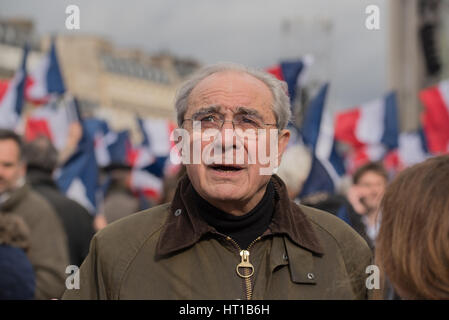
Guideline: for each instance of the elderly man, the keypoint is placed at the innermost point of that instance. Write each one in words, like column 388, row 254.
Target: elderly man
column 231, row 231
column 48, row 251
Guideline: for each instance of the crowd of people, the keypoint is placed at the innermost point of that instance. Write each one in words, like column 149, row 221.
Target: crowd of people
column 404, row 221
column 42, row 231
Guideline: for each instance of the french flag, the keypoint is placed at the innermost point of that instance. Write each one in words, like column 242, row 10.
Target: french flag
column 318, row 135
column 78, row 177
column 413, row 147
column 120, row 148
column 107, row 142
column 12, row 96
column 46, row 80
column 290, row 72
column 156, row 144
column 354, row 158
column 435, row 118
column 150, row 160
column 53, row 121
column 371, row 129
column 156, row 135
column 143, row 182
column 412, row 150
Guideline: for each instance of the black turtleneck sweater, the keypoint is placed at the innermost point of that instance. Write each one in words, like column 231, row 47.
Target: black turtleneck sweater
column 242, row 229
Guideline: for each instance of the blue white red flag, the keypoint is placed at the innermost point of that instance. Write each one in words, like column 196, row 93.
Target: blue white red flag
column 12, row 96
column 78, row 177
column 412, row 150
column 150, row 160
column 317, row 134
column 53, row 121
column 371, row 129
column 290, row 72
column 435, row 118
column 46, row 80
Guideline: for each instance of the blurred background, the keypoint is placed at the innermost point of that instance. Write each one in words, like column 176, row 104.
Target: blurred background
column 126, row 60
column 89, row 87
column 132, row 56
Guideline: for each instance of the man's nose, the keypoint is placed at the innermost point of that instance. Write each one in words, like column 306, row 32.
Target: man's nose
column 227, row 135
column 226, row 143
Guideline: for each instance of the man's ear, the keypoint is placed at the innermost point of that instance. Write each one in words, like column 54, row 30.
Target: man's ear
column 284, row 137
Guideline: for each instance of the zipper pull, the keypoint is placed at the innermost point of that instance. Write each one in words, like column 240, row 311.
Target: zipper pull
column 244, row 263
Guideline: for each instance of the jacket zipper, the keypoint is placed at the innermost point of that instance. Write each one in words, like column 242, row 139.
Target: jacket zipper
column 246, row 265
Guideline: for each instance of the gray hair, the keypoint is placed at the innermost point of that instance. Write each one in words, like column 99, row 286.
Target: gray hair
column 278, row 88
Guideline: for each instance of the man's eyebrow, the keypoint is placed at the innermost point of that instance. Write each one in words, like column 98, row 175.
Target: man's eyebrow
column 217, row 108
column 7, row 163
column 206, row 110
column 249, row 111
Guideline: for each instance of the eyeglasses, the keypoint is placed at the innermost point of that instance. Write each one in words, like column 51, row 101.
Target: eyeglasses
column 241, row 121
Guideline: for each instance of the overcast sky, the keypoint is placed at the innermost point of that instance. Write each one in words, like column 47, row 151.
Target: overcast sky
column 252, row 32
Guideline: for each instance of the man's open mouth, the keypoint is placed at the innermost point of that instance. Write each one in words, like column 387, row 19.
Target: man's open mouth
column 225, row 167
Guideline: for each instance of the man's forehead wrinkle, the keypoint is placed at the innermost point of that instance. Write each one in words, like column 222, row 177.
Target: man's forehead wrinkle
column 230, row 93
column 222, row 93
column 230, row 86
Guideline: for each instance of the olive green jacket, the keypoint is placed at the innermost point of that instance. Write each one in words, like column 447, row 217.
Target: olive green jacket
column 169, row 252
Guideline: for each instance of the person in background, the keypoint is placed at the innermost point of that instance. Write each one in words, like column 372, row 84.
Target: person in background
column 48, row 252
column 42, row 158
column 364, row 196
column 119, row 200
column 412, row 247
column 357, row 200
column 17, row 280
column 294, row 169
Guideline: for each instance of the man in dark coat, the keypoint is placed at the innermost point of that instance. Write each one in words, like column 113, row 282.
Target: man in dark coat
column 41, row 157
column 48, row 251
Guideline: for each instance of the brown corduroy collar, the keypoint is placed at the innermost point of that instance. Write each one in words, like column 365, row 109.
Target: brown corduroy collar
column 184, row 226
